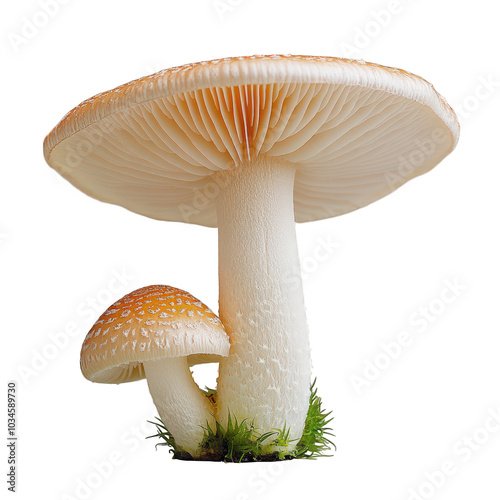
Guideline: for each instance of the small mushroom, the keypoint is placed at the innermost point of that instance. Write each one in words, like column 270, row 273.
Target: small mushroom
column 156, row 333
column 252, row 145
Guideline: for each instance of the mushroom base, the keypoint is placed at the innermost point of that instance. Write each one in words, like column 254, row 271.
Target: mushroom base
column 215, row 457
column 239, row 442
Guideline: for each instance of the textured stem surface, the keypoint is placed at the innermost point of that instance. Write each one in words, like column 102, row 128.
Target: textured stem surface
column 267, row 375
column 182, row 406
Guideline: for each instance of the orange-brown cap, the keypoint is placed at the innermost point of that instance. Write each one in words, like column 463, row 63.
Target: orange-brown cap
column 151, row 323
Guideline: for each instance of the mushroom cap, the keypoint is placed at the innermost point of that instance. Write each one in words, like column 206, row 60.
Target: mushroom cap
column 355, row 131
column 151, row 323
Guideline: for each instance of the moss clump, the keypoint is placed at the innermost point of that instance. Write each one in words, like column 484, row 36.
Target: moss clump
column 240, row 441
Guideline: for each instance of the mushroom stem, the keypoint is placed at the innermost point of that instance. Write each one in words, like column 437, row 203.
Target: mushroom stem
column 183, row 408
column 266, row 378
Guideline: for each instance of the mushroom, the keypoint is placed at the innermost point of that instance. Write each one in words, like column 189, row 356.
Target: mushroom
column 252, row 145
column 156, row 333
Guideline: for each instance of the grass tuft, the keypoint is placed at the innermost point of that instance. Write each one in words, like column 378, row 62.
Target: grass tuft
column 315, row 441
column 241, row 442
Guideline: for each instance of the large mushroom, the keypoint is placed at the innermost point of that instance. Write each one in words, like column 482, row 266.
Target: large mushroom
column 156, row 333
column 252, row 145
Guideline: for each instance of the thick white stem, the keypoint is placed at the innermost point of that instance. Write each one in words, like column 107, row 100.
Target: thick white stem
column 266, row 378
column 183, row 408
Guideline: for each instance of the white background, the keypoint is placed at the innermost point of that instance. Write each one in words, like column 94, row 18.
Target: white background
column 61, row 251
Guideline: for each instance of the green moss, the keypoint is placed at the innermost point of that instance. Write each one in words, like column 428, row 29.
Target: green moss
column 241, row 442
column 315, row 442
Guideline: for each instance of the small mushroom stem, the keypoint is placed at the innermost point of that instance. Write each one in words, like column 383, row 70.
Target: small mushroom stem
column 183, row 408
column 266, row 378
